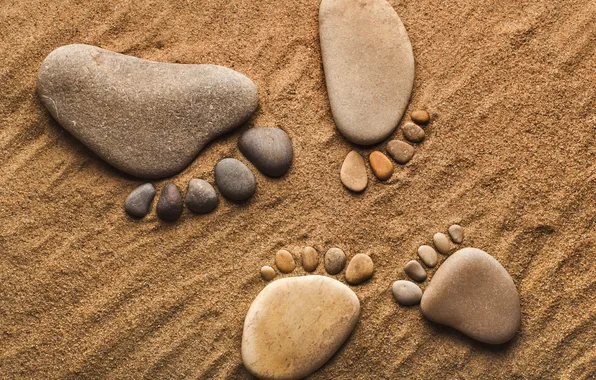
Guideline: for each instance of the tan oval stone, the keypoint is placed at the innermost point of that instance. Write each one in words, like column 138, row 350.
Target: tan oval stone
column 441, row 243
column 381, row 165
column 457, row 233
column 353, row 172
column 420, row 117
column 413, row 133
column 473, row 293
column 335, row 260
column 428, row 255
column 400, row 151
column 310, row 259
column 296, row 324
column 360, row 269
column 415, row 271
column 267, row 273
column 406, row 292
column 284, row 261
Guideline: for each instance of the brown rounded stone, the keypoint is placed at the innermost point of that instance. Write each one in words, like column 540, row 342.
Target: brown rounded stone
column 381, row 165
column 406, row 292
column 267, row 273
column 428, row 255
column 413, row 133
column 353, row 172
column 360, row 269
column 335, row 260
column 457, row 233
column 310, row 259
column 284, row 261
column 420, row 117
column 415, row 271
column 170, row 205
column 400, row 151
column 441, row 243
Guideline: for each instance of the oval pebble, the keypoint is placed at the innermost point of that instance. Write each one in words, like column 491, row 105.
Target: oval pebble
column 335, row 260
column 413, row 133
column 139, row 200
column 170, row 205
column 428, row 255
column 381, row 165
column 234, row 179
column 284, row 261
column 420, row 117
column 353, row 172
column 457, row 233
column 269, row 149
column 360, row 269
column 441, row 243
column 201, row 197
column 267, row 273
column 310, row 259
column 415, row 271
column 406, row 293
column 400, row 151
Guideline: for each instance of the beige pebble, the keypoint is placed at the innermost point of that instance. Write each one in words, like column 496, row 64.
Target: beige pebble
column 457, row 233
column 406, row 292
column 360, row 269
column 415, row 271
column 400, row 151
column 284, row 261
column 441, row 243
column 267, row 273
column 381, row 165
column 310, row 259
column 353, row 172
column 335, row 260
column 428, row 255
column 413, row 133
column 420, row 117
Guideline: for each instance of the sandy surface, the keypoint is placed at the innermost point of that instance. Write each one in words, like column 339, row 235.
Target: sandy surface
column 85, row 291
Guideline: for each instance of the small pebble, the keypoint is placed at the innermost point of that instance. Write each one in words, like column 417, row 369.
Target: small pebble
column 310, row 259
column 284, row 261
column 335, row 260
column 428, row 255
column 400, row 151
column 441, row 243
column 353, row 172
column 415, row 271
column 267, row 273
column 457, row 233
column 269, row 149
column 413, row 133
column 381, row 165
column 420, row 117
column 170, row 204
column 360, row 269
column 406, row 293
column 234, row 179
column 201, row 197
column 139, row 200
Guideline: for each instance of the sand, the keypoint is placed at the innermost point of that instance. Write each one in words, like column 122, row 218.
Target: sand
column 510, row 155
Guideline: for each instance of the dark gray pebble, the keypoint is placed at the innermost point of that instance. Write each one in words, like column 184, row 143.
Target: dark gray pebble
column 234, row 179
column 201, row 197
column 269, row 149
column 170, row 205
column 139, row 200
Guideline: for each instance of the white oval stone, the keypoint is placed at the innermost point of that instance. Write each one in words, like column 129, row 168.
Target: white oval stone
column 296, row 324
column 369, row 67
column 457, row 233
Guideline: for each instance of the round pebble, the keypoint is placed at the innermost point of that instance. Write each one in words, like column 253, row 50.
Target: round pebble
column 269, row 149
column 441, row 243
column 413, row 133
column 415, row 271
column 284, row 261
column 139, row 200
column 310, row 259
column 420, row 117
column 457, row 233
column 170, row 205
column 381, row 165
column 353, row 172
column 400, row 151
column 335, row 260
column 360, row 269
column 406, row 293
column 201, row 197
column 267, row 273
column 428, row 255
column 234, row 179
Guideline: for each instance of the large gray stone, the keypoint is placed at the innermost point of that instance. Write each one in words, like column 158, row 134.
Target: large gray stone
column 148, row 119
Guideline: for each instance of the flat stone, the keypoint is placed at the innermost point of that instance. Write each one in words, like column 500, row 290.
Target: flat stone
column 420, row 117
column 269, row 149
column 415, row 271
column 201, row 197
column 400, row 151
column 369, row 67
column 335, row 260
column 413, row 133
column 381, row 165
column 473, row 293
column 169, row 206
column 267, row 273
column 360, row 268
column 139, row 200
column 441, row 243
column 296, row 324
column 284, row 261
column 428, row 255
column 148, row 119
column 406, row 293
column 310, row 259
column 234, row 179
column 353, row 172
column 457, row 233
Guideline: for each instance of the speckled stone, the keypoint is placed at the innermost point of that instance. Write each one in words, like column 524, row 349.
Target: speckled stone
column 335, row 260
column 310, row 259
column 428, row 255
column 406, row 293
column 413, row 133
column 415, row 271
column 201, row 197
column 284, row 261
column 267, row 273
column 457, row 233
column 353, row 172
column 170, row 205
column 148, row 119
column 441, row 243
column 296, row 324
column 473, row 293
column 269, row 149
column 380, row 165
column 400, row 151
column 420, row 117
column 360, row 269
column 139, row 200
column 234, row 179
